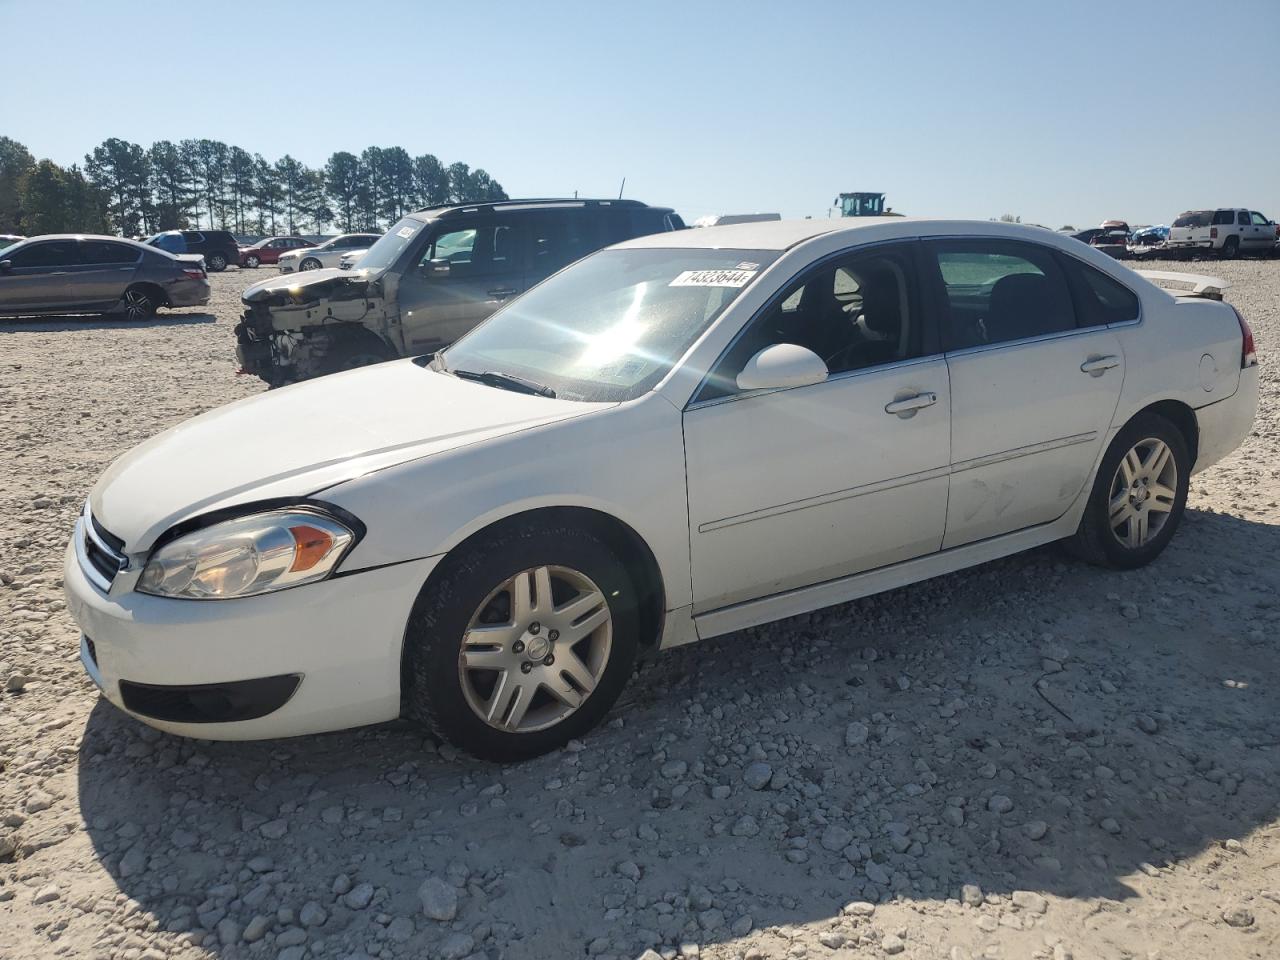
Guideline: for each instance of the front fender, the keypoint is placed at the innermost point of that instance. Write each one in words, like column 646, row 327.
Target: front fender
column 626, row 461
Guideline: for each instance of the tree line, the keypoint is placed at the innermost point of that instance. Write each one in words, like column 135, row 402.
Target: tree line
column 131, row 190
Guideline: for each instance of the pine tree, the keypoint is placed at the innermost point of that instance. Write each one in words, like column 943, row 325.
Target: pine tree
column 342, row 181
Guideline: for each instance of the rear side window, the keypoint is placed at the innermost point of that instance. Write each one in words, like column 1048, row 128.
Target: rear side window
column 1223, row 217
column 1099, row 299
column 193, row 236
column 560, row 237
column 997, row 291
column 104, row 252
column 1194, row 218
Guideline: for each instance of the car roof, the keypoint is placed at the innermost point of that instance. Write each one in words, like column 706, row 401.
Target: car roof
column 86, row 236
column 784, row 234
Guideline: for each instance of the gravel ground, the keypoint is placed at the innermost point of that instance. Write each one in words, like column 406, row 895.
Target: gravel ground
column 1031, row 759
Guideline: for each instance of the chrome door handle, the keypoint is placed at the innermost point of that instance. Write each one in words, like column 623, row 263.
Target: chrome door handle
column 909, row 405
column 1099, row 365
column 502, row 293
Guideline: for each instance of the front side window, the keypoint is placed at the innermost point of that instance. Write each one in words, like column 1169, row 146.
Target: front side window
column 1259, row 220
column 854, row 312
column 51, row 253
column 997, row 291
column 475, row 249
column 609, row 327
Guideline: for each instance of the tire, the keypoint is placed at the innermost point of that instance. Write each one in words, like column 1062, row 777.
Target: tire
column 1118, row 543
column 473, row 594
column 311, row 263
column 1230, row 248
column 139, row 303
column 216, row 262
column 348, row 352
column 252, row 261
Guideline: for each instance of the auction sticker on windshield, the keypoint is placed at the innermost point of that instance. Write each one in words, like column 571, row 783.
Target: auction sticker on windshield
column 713, row 278
column 405, row 232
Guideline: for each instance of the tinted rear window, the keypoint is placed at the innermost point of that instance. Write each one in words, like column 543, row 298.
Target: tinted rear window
column 1098, row 298
column 1224, row 216
column 1194, row 218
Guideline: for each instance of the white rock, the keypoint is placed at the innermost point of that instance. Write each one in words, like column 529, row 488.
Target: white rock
column 439, row 899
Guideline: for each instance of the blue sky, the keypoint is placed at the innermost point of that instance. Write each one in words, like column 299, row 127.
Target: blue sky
column 1059, row 112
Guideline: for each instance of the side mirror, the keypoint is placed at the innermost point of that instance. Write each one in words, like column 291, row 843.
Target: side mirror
column 6, row 266
column 782, row 365
column 438, row 268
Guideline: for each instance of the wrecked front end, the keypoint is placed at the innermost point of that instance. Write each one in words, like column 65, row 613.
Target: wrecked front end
column 293, row 330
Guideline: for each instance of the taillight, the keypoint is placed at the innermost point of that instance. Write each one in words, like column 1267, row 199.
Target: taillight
column 1248, row 352
column 195, row 273
column 1213, row 233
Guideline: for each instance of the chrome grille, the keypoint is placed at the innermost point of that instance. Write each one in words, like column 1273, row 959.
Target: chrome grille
column 101, row 553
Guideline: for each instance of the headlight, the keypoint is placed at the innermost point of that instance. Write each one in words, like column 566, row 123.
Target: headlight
column 248, row 556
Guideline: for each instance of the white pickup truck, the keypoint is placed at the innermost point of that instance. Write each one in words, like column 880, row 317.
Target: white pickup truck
column 1227, row 231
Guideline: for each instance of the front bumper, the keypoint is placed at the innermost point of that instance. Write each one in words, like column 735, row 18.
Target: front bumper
column 342, row 637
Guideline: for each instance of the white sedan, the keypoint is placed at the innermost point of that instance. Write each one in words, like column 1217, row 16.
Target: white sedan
column 678, row 437
column 328, row 253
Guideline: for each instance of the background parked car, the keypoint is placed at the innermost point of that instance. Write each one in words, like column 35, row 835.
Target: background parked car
column 9, row 239
column 427, row 281
column 218, row 247
column 270, row 250
column 63, row 273
column 1112, row 238
column 327, row 254
column 1227, row 231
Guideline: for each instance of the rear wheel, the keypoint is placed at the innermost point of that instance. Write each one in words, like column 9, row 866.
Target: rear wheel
column 216, row 262
column 1138, row 496
column 311, row 263
column 1230, row 248
column 139, row 303
column 252, row 260
column 521, row 642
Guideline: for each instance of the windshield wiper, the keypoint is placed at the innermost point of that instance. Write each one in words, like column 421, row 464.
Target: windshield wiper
column 506, row 381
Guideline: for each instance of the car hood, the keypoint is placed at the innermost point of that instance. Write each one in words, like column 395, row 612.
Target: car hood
column 295, row 286
column 301, row 439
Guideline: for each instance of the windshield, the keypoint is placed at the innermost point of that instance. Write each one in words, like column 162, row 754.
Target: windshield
column 611, row 326
column 391, row 244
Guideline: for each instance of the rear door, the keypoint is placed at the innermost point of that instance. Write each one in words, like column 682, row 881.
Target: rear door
column 107, row 268
column 37, row 278
column 1033, row 390
column 466, row 269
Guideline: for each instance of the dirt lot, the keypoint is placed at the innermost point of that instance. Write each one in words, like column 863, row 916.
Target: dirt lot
column 1032, row 759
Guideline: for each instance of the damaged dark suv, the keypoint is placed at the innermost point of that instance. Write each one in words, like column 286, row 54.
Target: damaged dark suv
column 431, row 278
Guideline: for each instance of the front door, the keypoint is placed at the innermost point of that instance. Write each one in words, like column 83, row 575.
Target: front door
column 468, row 267
column 37, row 276
column 1033, row 386
column 793, row 487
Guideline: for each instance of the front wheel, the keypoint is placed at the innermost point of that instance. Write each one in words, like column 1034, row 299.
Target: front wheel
column 522, row 642
column 311, row 263
column 252, row 260
column 1138, row 496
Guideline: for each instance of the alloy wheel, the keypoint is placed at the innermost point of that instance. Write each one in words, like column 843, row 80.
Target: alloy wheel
column 137, row 305
column 310, row 265
column 1143, row 492
column 535, row 649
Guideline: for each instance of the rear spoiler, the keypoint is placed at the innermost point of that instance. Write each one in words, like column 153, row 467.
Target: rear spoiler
column 1210, row 288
